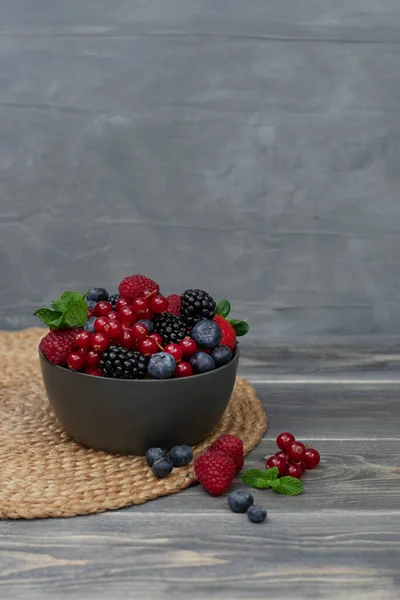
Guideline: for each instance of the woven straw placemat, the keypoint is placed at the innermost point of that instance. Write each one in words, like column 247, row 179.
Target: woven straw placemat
column 43, row 473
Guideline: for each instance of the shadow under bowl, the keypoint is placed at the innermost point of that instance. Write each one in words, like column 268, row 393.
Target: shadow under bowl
column 130, row 416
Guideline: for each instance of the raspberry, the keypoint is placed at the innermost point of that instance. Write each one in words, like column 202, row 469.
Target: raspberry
column 232, row 446
column 228, row 333
column 174, row 304
column 134, row 286
column 215, row 471
column 57, row 345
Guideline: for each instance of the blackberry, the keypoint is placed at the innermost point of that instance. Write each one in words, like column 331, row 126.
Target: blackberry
column 113, row 299
column 170, row 327
column 120, row 363
column 195, row 306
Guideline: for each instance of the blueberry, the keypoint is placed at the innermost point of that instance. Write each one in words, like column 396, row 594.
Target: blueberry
column 207, row 334
column 240, row 501
column 97, row 294
column 162, row 468
column 256, row 514
column 161, row 365
column 91, row 303
column 154, row 454
column 147, row 323
column 202, row 362
column 222, row 355
column 181, row 456
column 89, row 325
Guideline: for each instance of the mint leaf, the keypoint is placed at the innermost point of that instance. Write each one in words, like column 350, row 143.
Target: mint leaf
column 289, row 486
column 272, row 473
column 223, row 308
column 240, row 327
column 65, row 300
column 256, row 478
column 76, row 313
column 51, row 318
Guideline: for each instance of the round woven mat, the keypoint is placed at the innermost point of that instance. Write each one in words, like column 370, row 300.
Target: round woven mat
column 46, row 474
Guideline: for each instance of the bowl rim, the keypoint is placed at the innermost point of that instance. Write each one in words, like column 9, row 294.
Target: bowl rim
column 235, row 357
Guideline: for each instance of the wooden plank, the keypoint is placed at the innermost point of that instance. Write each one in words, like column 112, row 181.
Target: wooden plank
column 334, row 555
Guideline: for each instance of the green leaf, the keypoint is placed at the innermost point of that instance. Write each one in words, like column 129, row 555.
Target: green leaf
column 240, row 327
column 66, row 299
column 51, row 318
column 272, row 473
column 223, row 308
column 76, row 313
column 256, row 478
column 289, row 486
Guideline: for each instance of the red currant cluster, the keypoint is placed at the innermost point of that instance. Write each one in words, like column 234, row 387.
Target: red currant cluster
column 119, row 326
column 293, row 457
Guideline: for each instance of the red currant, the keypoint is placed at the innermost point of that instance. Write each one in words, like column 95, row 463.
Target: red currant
column 146, row 314
column 113, row 329
column 147, row 293
column 311, row 458
column 159, row 304
column 100, row 342
column 93, row 371
column 188, row 347
column 301, row 464
column 140, row 331
column 276, row 461
column 183, row 369
column 121, row 303
column 99, row 324
column 281, row 454
column 127, row 339
column 158, row 338
column 295, row 451
column 295, row 471
column 140, row 304
column 284, row 440
column 175, row 350
column 83, row 339
column 148, row 346
column 92, row 358
column 90, row 312
column 113, row 316
column 76, row 360
column 126, row 326
column 127, row 315
column 102, row 309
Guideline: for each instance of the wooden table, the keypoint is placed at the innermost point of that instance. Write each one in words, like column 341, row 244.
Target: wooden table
column 338, row 540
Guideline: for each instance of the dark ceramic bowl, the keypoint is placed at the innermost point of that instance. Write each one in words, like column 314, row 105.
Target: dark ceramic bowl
column 130, row 416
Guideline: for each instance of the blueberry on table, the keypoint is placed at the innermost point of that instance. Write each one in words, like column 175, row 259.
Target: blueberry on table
column 162, row 468
column 256, row 514
column 154, row 454
column 202, row 362
column 181, row 456
column 207, row 334
column 240, row 501
column 222, row 355
column 97, row 294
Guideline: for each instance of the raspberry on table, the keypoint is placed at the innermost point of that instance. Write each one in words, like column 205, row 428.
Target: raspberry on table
column 232, row 446
column 215, row 471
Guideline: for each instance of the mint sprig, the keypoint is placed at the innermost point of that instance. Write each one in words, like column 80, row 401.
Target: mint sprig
column 223, row 309
column 261, row 480
column 69, row 311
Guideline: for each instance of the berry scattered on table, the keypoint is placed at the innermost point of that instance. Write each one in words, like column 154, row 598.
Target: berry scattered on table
column 311, row 458
column 180, row 456
column 284, row 440
column 137, row 286
column 222, row 355
column 276, row 461
column 196, row 305
column 202, row 362
column 240, row 501
column 162, row 467
column 232, row 446
column 256, row 514
column 57, row 345
column 120, row 363
column 97, row 294
column 161, row 365
column 296, row 451
column 215, row 471
column 294, row 470
column 154, row 454
column 206, row 334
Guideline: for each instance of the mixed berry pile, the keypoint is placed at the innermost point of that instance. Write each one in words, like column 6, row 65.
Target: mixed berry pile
column 138, row 333
column 293, row 457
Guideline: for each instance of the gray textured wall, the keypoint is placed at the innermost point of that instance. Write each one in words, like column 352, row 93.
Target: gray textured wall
column 247, row 147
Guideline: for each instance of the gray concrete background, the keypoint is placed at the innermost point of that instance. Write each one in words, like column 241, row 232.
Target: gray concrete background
column 248, row 148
